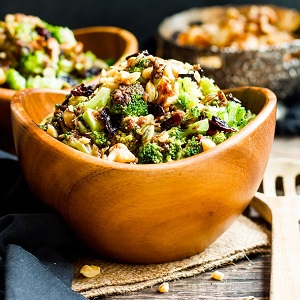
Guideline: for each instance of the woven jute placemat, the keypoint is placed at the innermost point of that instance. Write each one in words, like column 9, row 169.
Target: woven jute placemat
column 244, row 237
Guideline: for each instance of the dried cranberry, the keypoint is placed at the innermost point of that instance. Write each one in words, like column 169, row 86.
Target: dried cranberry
column 216, row 124
column 92, row 72
column 145, row 53
column 230, row 97
column 82, row 90
column 155, row 109
column 174, row 121
column 106, row 119
column 43, row 32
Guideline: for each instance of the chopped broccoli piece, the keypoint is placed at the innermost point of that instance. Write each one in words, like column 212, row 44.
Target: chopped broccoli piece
column 192, row 148
column 233, row 114
column 140, row 66
column 89, row 116
column 128, row 139
column 25, row 31
column 136, row 107
column 15, row 80
column 75, row 143
column 62, row 34
column 101, row 99
column 34, row 63
column 44, row 82
column 219, row 137
column 99, row 138
column 199, row 127
column 150, row 153
column 172, row 150
column 127, row 100
column 208, row 86
column 192, row 113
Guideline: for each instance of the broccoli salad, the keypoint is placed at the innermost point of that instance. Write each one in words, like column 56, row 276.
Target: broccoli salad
column 147, row 110
column 36, row 54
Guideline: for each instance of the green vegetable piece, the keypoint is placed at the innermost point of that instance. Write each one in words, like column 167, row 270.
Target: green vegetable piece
column 101, row 99
column 136, row 107
column 44, row 82
column 192, row 148
column 208, row 86
column 150, row 153
column 219, row 137
column 99, row 138
column 15, row 80
column 79, row 146
column 35, row 62
column 199, row 127
column 62, row 34
column 91, row 121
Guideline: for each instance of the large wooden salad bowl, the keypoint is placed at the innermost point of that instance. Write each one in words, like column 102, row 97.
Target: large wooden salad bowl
column 107, row 42
column 145, row 213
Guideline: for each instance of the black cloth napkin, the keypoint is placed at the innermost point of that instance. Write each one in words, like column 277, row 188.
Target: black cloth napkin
column 35, row 244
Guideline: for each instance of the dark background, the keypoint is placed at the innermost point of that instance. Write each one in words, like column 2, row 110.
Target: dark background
column 140, row 17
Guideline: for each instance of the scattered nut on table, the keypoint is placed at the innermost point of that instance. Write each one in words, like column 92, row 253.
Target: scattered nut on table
column 90, row 270
column 217, row 275
column 164, row 287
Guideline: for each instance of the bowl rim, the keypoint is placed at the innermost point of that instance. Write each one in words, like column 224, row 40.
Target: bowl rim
column 27, row 122
column 129, row 37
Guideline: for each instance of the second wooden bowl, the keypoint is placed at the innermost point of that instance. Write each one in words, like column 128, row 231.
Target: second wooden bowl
column 106, row 42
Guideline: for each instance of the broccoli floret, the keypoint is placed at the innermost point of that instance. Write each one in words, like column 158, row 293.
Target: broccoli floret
column 219, row 137
column 99, row 138
column 45, row 82
column 208, row 86
column 62, row 34
column 24, row 31
column 140, row 66
column 128, row 139
column 128, row 101
column 136, row 107
column 172, row 150
column 192, row 148
column 192, row 113
column 150, row 153
column 43, row 127
column 233, row 114
column 189, row 93
column 194, row 129
column 34, row 63
column 15, row 80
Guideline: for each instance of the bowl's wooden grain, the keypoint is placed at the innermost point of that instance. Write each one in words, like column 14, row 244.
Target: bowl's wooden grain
column 145, row 213
column 105, row 41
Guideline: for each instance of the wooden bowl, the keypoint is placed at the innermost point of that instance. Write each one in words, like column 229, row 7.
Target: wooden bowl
column 144, row 213
column 106, row 42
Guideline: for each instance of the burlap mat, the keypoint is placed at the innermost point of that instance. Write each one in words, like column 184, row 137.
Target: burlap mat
column 244, row 237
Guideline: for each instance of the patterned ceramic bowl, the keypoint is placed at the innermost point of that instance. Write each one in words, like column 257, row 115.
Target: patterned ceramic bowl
column 275, row 66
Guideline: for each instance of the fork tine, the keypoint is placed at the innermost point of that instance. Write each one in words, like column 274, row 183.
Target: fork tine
column 269, row 186
column 289, row 185
column 288, row 170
